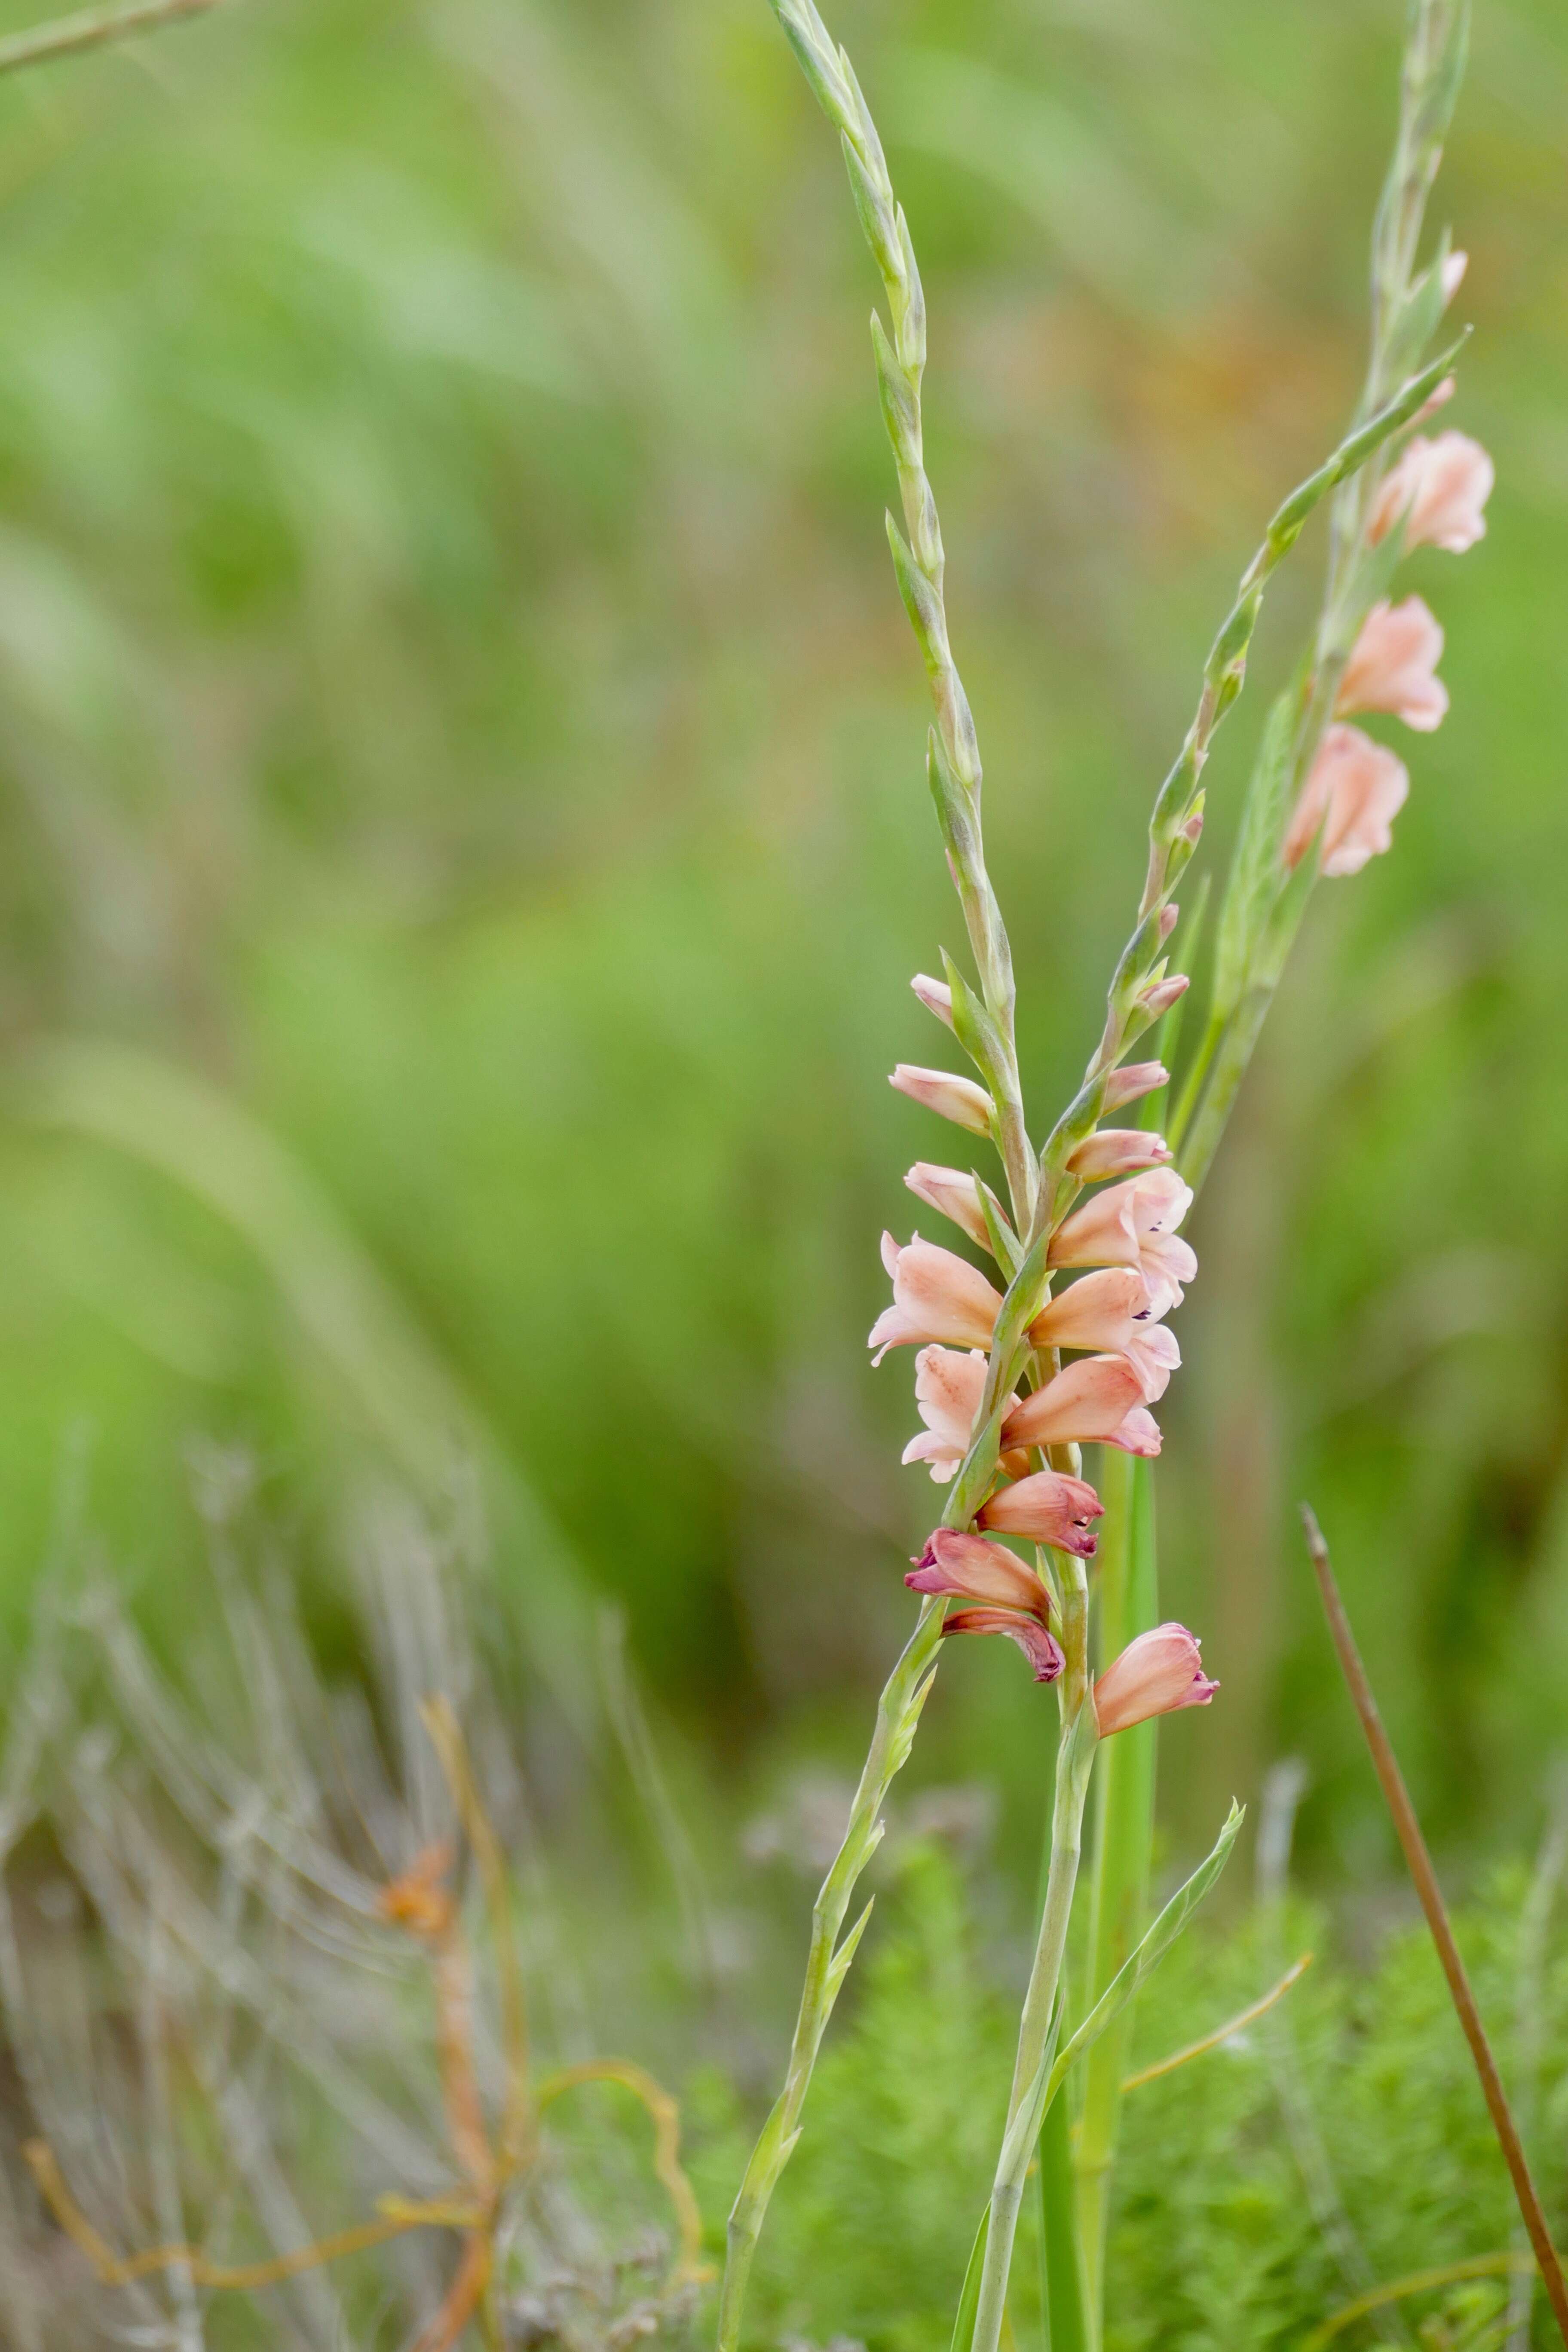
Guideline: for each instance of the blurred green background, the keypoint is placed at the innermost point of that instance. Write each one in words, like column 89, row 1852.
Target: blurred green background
column 465, row 843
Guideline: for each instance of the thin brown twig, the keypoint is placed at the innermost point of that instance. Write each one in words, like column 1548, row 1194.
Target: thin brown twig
column 1249, row 2016
column 92, row 28
column 665, row 2114
column 1397, row 1796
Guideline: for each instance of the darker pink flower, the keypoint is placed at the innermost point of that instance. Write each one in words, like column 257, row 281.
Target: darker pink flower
column 1157, row 1673
column 1038, row 1646
column 1047, row 1508
column 1355, row 791
column 967, row 1567
column 1393, row 666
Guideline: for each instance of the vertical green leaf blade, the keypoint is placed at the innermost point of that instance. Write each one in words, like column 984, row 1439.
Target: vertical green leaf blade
column 1062, row 2295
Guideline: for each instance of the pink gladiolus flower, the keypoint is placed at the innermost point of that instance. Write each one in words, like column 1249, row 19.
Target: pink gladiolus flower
column 1156, row 1673
column 1113, row 1312
column 1137, row 1078
column 1393, row 665
column 1354, row 791
column 934, row 994
column 953, row 1195
column 1117, row 1152
column 1096, row 1401
column 1440, row 489
column 1048, row 1509
column 936, row 1296
column 969, row 1569
column 959, row 1099
column 1038, row 1646
column 1134, row 1224
column 948, row 1389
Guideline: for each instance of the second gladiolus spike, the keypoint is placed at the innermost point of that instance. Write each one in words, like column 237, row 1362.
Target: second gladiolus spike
column 1355, row 791
column 1393, row 666
column 1156, row 1673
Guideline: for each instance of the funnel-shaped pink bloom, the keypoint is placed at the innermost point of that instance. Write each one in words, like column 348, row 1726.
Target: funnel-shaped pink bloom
column 1048, row 1509
column 959, row 1099
column 948, row 1389
column 967, row 1567
column 953, row 1195
column 1113, row 1312
column 937, row 1295
column 1440, row 488
column 1393, row 666
column 1156, row 1673
column 1117, row 1151
column 1038, row 1646
column 1134, row 1224
column 1136, row 1079
column 1096, row 1401
column 1355, row 790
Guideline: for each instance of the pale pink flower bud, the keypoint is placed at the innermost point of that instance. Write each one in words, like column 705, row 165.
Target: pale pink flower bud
column 1157, row 1673
column 1169, row 918
column 1113, row 1312
column 1085, row 1404
column 1038, row 1646
column 1117, row 1151
column 1162, row 994
column 1440, row 489
column 1134, row 1224
column 967, row 1567
column 1048, row 1509
column 1354, row 791
column 953, row 1195
column 934, row 994
column 1393, row 665
column 1138, row 1078
column 1192, row 829
column 1454, row 268
column 936, row 1296
column 948, row 1390
column 959, row 1099
column 1439, row 397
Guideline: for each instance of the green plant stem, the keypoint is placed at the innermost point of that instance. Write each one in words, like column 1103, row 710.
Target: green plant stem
column 92, row 28
column 1075, row 1764
column 1124, row 1821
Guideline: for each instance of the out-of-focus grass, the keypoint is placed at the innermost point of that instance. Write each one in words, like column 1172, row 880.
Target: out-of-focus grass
column 453, row 707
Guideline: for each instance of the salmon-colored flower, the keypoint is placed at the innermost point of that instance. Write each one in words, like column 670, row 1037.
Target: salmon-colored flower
column 948, row 1390
column 953, row 1194
column 1157, row 1673
column 1113, row 1312
column 967, row 1567
column 934, row 994
column 1134, row 1224
column 1392, row 664
column 1117, row 1151
column 1038, row 1646
column 936, row 1296
column 1048, row 1509
column 1126, row 1085
column 1440, row 489
column 1099, row 1401
column 1355, row 791
column 959, row 1099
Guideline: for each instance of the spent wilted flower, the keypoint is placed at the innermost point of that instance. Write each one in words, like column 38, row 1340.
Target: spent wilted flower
column 1134, row 1224
column 1393, row 666
column 967, row 1567
column 937, row 1295
column 1355, row 791
column 934, row 994
column 1038, row 1646
column 1050, row 1509
column 1134, row 1080
column 1157, row 1673
column 1440, row 489
column 953, row 1194
column 1099, row 1401
column 948, row 1390
column 1113, row 1313
column 1117, row 1151
column 959, row 1099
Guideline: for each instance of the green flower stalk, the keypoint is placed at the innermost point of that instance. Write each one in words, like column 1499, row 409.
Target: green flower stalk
column 1004, row 1416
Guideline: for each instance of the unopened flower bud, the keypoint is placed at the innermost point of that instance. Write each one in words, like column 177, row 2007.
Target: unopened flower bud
column 1192, row 829
column 1156, row 1673
column 1161, row 995
column 1453, row 268
column 934, row 994
column 1169, row 918
column 959, row 1099
column 1117, row 1151
column 1138, row 1078
column 953, row 1195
